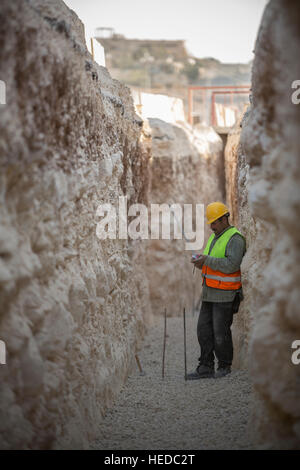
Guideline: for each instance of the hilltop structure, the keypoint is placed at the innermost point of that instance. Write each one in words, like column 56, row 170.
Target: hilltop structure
column 165, row 64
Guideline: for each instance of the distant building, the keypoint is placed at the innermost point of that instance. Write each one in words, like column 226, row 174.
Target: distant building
column 121, row 52
column 104, row 32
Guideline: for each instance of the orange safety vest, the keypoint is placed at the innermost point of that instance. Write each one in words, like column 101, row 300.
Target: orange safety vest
column 217, row 279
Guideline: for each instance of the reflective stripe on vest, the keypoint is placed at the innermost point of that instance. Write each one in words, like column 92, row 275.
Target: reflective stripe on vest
column 217, row 279
column 226, row 279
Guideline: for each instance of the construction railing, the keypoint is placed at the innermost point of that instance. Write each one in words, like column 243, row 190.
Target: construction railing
column 213, row 101
column 213, row 90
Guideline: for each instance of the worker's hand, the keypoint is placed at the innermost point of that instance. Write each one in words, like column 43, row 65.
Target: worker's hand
column 200, row 261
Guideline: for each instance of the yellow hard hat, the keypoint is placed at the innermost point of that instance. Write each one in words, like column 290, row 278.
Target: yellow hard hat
column 215, row 210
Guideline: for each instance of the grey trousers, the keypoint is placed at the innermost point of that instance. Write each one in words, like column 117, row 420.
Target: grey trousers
column 214, row 333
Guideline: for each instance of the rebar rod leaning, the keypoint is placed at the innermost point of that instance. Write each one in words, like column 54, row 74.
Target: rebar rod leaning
column 193, row 300
column 164, row 346
column 184, row 336
column 139, row 365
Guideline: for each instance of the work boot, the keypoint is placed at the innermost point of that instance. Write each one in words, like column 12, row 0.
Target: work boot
column 202, row 372
column 222, row 371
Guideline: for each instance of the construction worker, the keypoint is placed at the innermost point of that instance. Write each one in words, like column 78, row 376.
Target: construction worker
column 221, row 293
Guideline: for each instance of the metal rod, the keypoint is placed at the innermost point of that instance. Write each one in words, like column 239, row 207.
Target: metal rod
column 139, row 365
column 193, row 306
column 92, row 49
column 212, row 87
column 184, row 335
column 164, row 346
column 235, row 92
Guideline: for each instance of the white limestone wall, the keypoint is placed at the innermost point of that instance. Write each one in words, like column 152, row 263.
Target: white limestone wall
column 269, row 210
column 73, row 308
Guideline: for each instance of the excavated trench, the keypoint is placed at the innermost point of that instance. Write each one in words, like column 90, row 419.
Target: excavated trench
column 75, row 309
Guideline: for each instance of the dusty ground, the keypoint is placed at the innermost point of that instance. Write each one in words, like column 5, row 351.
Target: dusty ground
column 171, row 414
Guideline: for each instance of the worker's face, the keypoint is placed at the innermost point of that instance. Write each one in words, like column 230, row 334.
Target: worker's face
column 219, row 225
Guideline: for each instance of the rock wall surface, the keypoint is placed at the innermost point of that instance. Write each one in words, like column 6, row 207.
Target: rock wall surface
column 231, row 157
column 269, row 210
column 73, row 307
column 186, row 168
column 237, row 176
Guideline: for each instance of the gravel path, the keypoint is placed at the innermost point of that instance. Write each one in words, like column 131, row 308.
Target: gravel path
column 172, row 414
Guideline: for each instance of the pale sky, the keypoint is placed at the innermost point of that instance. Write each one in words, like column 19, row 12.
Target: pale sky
column 223, row 29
